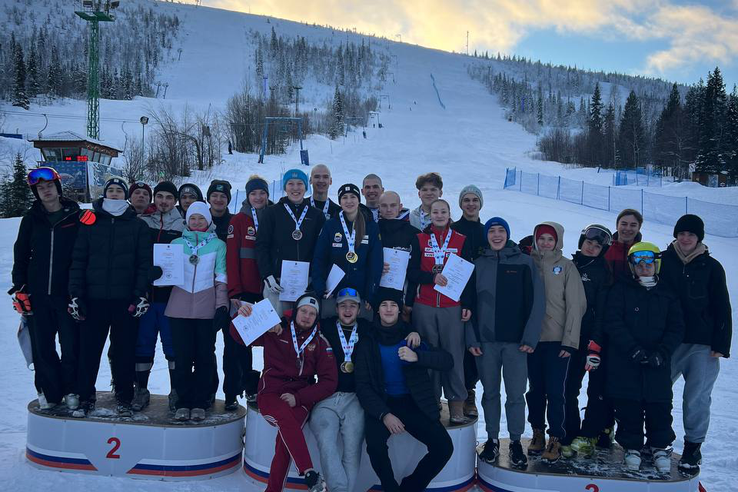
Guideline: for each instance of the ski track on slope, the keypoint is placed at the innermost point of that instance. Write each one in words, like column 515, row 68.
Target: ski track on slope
column 468, row 142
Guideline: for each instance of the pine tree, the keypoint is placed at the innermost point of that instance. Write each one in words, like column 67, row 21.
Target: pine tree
column 631, row 141
column 670, row 136
column 594, row 129
column 540, row 106
column 32, row 85
column 711, row 147
column 17, row 195
column 731, row 138
column 610, row 142
column 336, row 127
column 20, row 98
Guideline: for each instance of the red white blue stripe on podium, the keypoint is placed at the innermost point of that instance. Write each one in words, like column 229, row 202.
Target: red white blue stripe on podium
column 71, row 461
column 189, row 470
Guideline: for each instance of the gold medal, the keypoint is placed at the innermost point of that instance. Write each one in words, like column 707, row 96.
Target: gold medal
column 352, row 257
column 347, row 367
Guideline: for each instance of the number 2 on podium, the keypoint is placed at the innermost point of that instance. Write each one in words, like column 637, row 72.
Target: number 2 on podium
column 592, row 487
column 116, row 444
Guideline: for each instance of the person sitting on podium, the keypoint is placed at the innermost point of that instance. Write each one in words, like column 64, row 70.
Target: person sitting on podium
column 394, row 387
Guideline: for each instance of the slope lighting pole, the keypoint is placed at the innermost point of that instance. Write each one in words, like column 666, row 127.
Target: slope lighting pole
column 95, row 12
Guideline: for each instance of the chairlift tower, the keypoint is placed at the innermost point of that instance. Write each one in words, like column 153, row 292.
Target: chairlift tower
column 94, row 12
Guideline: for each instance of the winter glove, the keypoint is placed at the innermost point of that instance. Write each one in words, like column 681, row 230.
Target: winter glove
column 138, row 307
column 77, row 309
column 593, row 356
column 222, row 319
column 272, row 286
column 21, row 301
column 639, row 355
column 655, row 359
column 155, row 273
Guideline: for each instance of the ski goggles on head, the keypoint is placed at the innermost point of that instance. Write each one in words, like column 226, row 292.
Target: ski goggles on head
column 598, row 235
column 348, row 294
column 41, row 174
column 646, row 257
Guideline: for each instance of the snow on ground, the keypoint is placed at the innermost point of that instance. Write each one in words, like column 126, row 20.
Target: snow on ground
column 468, row 142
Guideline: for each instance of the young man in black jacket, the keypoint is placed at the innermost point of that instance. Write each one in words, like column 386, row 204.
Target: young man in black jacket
column 395, row 390
column 699, row 280
column 108, row 281
column 218, row 197
column 42, row 255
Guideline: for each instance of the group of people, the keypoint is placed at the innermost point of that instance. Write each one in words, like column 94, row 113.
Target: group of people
column 360, row 362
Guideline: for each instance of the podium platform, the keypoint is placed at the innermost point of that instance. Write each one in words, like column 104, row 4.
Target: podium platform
column 405, row 452
column 602, row 473
column 150, row 445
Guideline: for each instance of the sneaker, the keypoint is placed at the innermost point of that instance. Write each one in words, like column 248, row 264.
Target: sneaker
column 314, row 482
column 71, row 401
column 250, row 398
column 84, row 410
column 691, row 458
column 606, row 438
column 141, row 399
column 584, row 446
column 231, row 404
column 197, row 414
column 456, row 412
column 662, row 459
column 43, row 403
column 553, row 450
column 182, row 414
column 124, row 409
column 173, row 401
column 632, row 459
column 491, row 451
column 470, row 405
column 517, row 456
column 538, row 443
column 567, row 451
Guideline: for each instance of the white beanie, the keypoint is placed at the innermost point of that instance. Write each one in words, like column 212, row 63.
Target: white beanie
column 201, row 208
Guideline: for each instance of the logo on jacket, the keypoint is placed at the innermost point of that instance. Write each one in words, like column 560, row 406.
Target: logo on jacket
column 337, row 238
column 250, row 231
column 585, row 278
column 88, row 217
column 230, row 229
column 557, row 269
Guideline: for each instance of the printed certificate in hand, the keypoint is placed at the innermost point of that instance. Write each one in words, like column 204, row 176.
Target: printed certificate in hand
column 263, row 317
column 457, row 271
column 397, row 260
column 293, row 279
column 170, row 258
column 334, row 278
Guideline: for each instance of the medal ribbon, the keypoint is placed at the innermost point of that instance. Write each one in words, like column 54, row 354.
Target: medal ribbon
column 350, row 238
column 325, row 207
column 256, row 219
column 348, row 347
column 202, row 243
column 299, row 350
column 440, row 253
column 298, row 223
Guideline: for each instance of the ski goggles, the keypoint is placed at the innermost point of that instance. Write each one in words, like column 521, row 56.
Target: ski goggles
column 598, row 235
column 646, row 257
column 41, row 174
column 348, row 294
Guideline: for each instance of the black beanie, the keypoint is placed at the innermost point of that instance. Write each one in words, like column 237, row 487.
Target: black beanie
column 349, row 188
column 116, row 181
column 387, row 294
column 192, row 189
column 168, row 187
column 690, row 223
column 220, row 186
column 256, row 184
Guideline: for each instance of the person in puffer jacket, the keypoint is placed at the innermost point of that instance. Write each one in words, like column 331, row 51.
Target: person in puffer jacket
column 197, row 310
column 566, row 303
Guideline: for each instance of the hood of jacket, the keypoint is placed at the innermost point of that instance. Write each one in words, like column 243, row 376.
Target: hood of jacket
column 170, row 221
column 129, row 214
column 557, row 253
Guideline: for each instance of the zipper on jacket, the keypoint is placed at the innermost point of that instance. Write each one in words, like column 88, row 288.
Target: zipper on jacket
column 110, row 257
column 51, row 254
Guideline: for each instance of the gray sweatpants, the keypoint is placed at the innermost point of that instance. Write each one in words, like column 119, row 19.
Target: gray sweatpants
column 506, row 358
column 339, row 418
column 700, row 370
column 443, row 328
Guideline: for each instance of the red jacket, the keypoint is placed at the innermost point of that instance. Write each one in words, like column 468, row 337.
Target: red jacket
column 617, row 257
column 420, row 269
column 243, row 273
column 281, row 371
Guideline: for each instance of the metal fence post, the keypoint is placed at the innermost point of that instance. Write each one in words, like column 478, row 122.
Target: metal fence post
column 686, row 204
column 504, row 185
column 582, row 200
column 558, row 189
column 608, row 198
column 642, row 213
column 538, row 185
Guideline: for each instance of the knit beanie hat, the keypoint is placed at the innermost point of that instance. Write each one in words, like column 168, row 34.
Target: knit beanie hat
column 307, row 299
column 690, row 223
column 349, row 188
column 189, row 188
column 496, row 221
column 546, row 229
column 140, row 185
column 168, row 187
column 387, row 294
column 474, row 191
column 294, row 174
column 201, row 208
column 116, row 181
column 221, row 186
column 256, row 183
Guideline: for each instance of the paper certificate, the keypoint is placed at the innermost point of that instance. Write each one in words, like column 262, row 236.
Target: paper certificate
column 398, row 260
column 170, row 258
column 263, row 318
column 457, row 271
column 334, row 278
column 293, row 279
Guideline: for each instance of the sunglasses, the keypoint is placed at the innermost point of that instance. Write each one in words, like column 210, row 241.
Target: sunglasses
column 646, row 257
column 600, row 236
column 348, row 291
column 41, row 174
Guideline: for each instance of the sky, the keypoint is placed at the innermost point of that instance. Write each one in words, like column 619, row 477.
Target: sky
column 673, row 39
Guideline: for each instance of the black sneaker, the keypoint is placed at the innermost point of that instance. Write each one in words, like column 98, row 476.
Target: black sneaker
column 314, row 482
column 517, row 456
column 231, row 404
column 691, row 459
column 124, row 409
column 606, row 438
column 491, row 451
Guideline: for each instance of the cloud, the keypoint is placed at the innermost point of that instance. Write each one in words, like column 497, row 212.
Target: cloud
column 692, row 33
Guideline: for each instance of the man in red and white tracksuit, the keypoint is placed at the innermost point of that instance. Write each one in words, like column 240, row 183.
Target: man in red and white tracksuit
column 294, row 354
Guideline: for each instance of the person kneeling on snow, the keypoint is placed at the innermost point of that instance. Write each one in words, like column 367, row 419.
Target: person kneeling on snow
column 294, row 354
column 395, row 389
column 644, row 326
